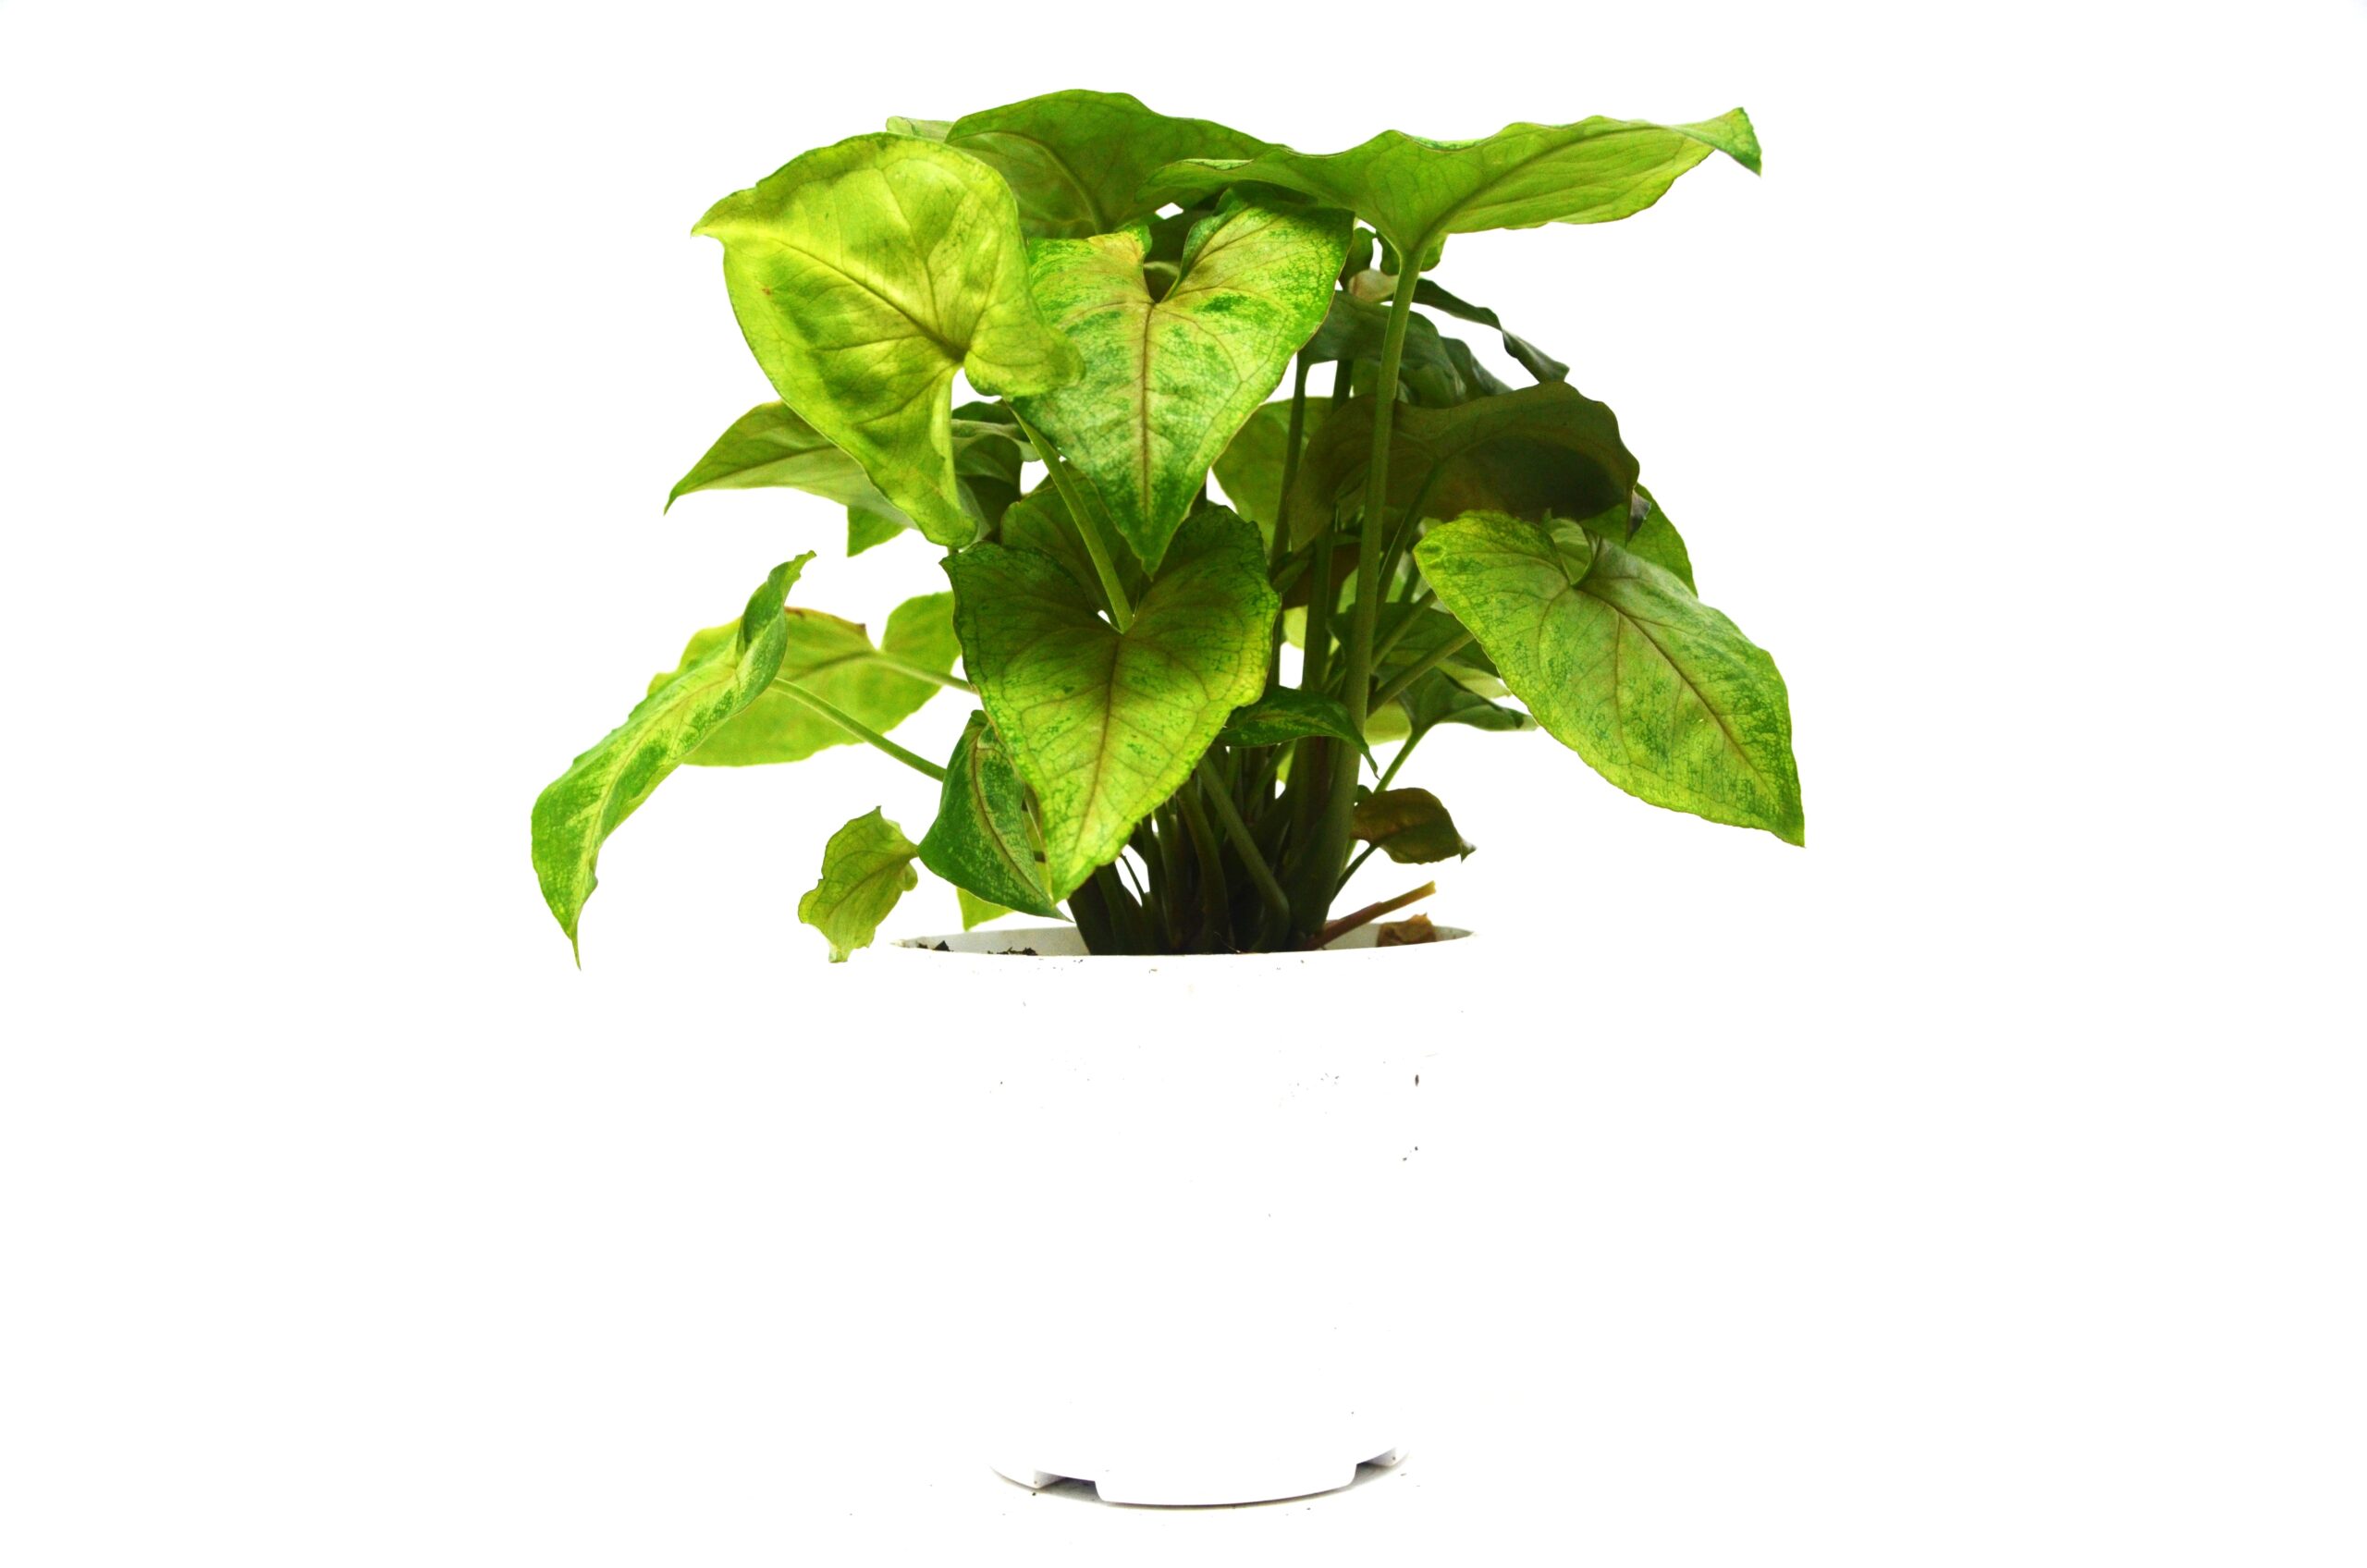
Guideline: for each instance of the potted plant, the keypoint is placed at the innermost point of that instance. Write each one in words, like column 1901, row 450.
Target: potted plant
column 1178, row 698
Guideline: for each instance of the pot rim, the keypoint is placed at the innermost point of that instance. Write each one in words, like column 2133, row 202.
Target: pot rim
column 997, row 943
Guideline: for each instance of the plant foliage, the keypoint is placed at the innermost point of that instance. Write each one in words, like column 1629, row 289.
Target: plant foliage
column 1176, row 698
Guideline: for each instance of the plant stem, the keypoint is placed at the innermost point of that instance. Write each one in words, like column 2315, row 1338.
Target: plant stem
column 1322, row 874
column 1281, row 544
column 1216, row 905
column 1355, row 865
column 1398, row 761
column 860, row 730
column 1245, row 843
column 946, row 679
column 1405, row 530
column 1088, row 527
column 1421, row 666
column 1364, row 916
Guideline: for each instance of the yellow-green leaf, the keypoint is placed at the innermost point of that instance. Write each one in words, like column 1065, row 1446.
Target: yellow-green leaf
column 1103, row 726
column 866, row 866
column 1415, row 192
column 1618, row 661
column 1168, row 382
column 863, row 276
column 835, row 660
column 574, row 817
column 1076, row 160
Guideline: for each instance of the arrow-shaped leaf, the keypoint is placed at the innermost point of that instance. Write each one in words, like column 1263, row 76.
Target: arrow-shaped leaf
column 1618, row 661
column 1103, row 726
column 1415, row 193
column 1168, row 382
column 1075, row 160
column 980, row 839
column 863, row 275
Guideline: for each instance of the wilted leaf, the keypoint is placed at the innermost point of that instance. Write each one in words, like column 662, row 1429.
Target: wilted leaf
column 1410, row 826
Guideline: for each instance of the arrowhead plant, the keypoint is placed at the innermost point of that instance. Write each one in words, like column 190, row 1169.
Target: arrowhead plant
column 1187, row 595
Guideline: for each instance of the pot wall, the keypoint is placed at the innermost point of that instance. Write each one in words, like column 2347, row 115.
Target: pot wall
column 1197, row 1225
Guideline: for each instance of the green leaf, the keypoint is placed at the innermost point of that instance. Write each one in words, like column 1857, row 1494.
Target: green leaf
column 1618, row 661
column 866, row 529
column 769, row 447
column 835, row 660
column 981, row 841
column 1479, row 381
column 1354, row 329
column 1288, row 714
column 574, row 817
column 1434, row 699
column 1530, row 358
column 863, row 276
column 1650, row 535
column 975, row 911
column 927, row 131
column 1167, row 383
column 1411, row 827
column 866, row 866
column 1415, row 193
column 1251, row 468
column 1039, row 521
column 1104, row 726
column 1075, row 160
column 1542, row 449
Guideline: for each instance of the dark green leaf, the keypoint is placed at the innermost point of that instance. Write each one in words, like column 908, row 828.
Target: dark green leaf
column 866, row 866
column 1286, row 713
column 1353, row 330
column 1531, row 357
column 1542, row 449
column 1409, row 826
column 1618, row 661
column 574, row 817
column 981, row 841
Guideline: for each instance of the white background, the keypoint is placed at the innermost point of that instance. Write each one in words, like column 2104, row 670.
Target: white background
column 1981, row 1185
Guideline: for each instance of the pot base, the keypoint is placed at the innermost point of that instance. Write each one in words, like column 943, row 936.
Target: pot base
column 1212, row 1480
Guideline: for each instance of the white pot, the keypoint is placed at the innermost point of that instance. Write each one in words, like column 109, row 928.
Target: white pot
column 1201, row 1225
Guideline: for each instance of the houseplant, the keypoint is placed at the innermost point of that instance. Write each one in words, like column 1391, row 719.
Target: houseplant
column 1178, row 697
